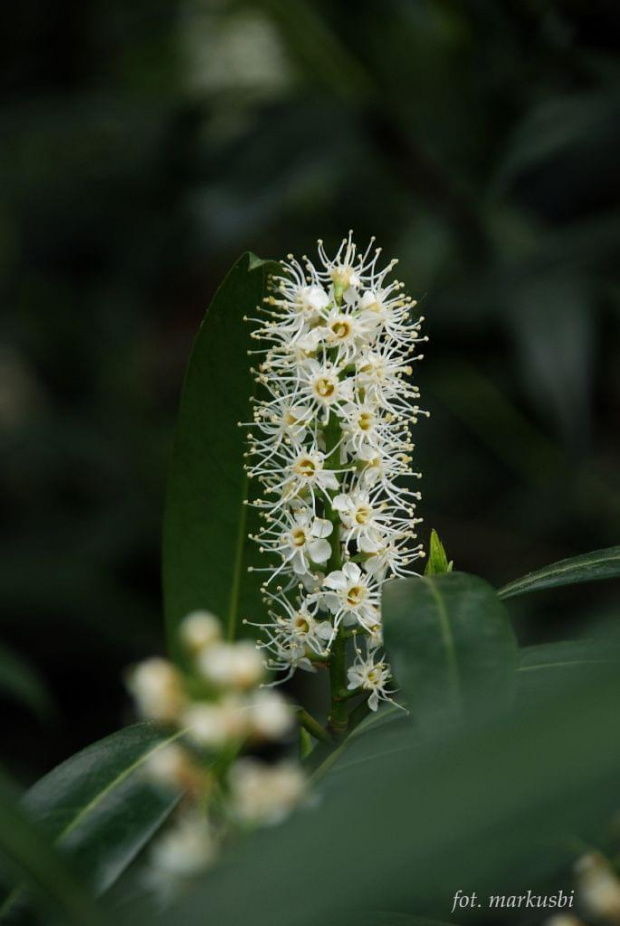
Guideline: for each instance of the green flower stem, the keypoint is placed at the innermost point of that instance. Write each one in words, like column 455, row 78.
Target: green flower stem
column 338, row 720
column 312, row 726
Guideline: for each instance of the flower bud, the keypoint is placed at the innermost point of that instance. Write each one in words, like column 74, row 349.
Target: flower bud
column 200, row 630
column 157, row 688
column 270, row 715
column 185, row 849
column 172, row 767
column 213, row 724
column 598, row 887
column 265, row 794
column 235, row 665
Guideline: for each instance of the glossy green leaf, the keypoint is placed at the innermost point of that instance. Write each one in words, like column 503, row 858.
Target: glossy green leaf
column 479, row 806
column 206, row 521
column 450, row 644
column 589, row 567
column 19, row 681
column 545, row 668
column 381, row 733
column 29, row 854
column 98, row 807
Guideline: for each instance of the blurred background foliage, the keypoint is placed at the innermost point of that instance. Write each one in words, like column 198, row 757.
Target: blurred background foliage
column 145, row 144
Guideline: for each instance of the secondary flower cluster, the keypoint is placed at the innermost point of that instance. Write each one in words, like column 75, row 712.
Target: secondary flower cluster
column 330, row 444
column 220, row 711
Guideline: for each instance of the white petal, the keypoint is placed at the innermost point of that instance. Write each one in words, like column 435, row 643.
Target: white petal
column 319, row 550
column 370, row 543
column 317, row 297
column 341, row 502
column 321, row 527
column 375, row 566
column 351, row 572
column 299, row 563
column 336, row 579
column 331, row 602
column 328, row 480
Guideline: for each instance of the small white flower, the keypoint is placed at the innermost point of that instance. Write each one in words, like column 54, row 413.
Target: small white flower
column 307, row 471
column 349, row 596
column 360, row 517
column 297, row 628
column 322, row 385
column 288, row 656
column 282, row 420
column 370, row 676
column 305, row 541
column 346, row 332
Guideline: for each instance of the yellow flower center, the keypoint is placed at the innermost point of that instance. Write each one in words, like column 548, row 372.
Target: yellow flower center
column 363, row 514
column 301, row 624
column 325, row 387
column 365, row 421
column 305, row 467
column 356, row 595
column 341, row 328
column 298, row 537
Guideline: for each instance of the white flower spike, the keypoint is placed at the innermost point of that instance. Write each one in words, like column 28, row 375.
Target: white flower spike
column 330, row 446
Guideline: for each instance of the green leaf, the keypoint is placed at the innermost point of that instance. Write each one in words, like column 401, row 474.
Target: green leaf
column 32, row 857
column 545, row 668
column 450, row 644
column 589, row 567
column 98, row 807
column 486, row 806
column 437, row 559
column 206, row 521
column 19, row 681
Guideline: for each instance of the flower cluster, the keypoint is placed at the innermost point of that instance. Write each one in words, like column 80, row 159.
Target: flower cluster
column 222, row 715
column 330, row 445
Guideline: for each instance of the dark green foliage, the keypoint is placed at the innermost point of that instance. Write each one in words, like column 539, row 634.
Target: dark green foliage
column 492, row 808
column 98, row 809
column 589, row 567
column 140, row 154
column 450, row 645
column 146, row 145
column 206, row 522
column 29, row 855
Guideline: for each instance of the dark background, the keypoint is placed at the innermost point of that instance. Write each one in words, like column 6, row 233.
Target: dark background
column 145, row 144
